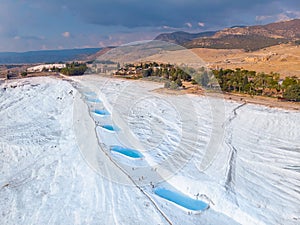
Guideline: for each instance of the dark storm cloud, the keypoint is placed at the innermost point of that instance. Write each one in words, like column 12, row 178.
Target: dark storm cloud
column 136, row 13
column 52, row 24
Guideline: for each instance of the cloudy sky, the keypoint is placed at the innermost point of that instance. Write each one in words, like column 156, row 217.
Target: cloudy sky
column 60, row 24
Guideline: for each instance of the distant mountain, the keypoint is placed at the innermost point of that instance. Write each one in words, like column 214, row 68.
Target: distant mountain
column 250, row 38
column 46, row 56
column 249, row 42
column 181, row 37
column 238, row 26
column 285, row 30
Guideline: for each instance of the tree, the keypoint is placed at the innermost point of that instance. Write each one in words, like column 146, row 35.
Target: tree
column 229, row 84
column 24, row 74
column 234, row 84
column 147, row 72
column 166, row 74
column 201, row 77
column 292, row 93
column 204, row 79
column 178, row 82
column 74, row 68
column 289, row 81
column 245, row 82
column 173, row 85
column 193, row 82
column 167, row 84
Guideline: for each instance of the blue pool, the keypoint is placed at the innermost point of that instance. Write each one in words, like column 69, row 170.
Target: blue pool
column 127, row 151
column 110, row 127
column 101, row 112
column 95, row 100
column 90, row 93
column 181, row 199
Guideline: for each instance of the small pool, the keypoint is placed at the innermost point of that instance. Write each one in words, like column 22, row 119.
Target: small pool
column 110, row 127
column 101, row 112
column 95, row 100
column 90, row 93
column 181, row 199
column 127, row 151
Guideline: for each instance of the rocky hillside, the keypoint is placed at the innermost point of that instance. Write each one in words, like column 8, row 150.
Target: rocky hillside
column 249, row 38
column 249, row 42
column 182, row 37
column 284, row 30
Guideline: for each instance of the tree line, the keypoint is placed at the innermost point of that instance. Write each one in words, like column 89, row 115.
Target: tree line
column 74, row 68
column 228, row 80
column 171, row 74
column 253, row 83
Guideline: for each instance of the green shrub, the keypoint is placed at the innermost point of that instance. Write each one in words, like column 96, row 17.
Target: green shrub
column 173, row 85
column 193, row 82
column 292, row 93
column 24, row 74
column 167, row 84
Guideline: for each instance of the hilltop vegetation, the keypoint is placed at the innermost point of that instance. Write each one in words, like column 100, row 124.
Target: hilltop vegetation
column 228, row 80
column 170, row 74
column 74, row 68
column 292, row 92
column 249, row 82
column 253, row 83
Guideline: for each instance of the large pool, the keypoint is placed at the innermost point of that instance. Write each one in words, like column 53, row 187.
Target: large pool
column 127, row 151
column 110, row 127
column 101, row 112
column 181, row 199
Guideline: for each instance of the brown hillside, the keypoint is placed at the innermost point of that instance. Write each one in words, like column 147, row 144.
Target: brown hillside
column 285, row 29
column 250, row 38
column 283, row 59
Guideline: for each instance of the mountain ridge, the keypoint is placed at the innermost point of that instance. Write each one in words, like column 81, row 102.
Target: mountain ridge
column 288, row 29
column 249, row 38
column 181, row 37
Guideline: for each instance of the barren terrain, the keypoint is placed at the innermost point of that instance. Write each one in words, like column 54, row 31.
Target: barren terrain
column 283, row 59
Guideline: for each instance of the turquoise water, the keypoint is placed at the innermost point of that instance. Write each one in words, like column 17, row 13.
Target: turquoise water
column 127, row 151
column 181, row 199
column 90, row 94
column 101, row 112
column 95, row 100
column 110, row 127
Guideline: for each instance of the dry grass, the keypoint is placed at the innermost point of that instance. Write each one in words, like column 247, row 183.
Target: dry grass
column 283, row 59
